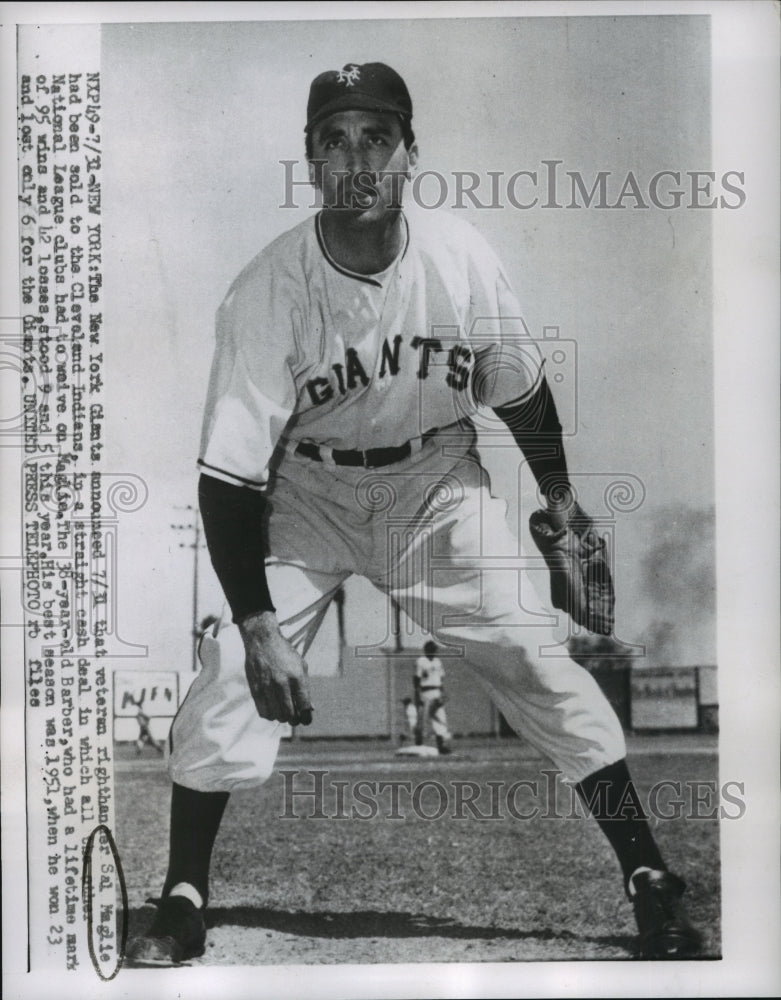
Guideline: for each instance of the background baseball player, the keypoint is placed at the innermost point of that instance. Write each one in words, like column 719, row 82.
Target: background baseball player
column 350, row 357
column 429, row 690
column 145, row 737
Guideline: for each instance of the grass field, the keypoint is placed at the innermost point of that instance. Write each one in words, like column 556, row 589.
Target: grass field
column 415, row 889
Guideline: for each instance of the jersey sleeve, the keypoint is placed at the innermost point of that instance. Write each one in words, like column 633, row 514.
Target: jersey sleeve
column 508, row 363
column 252, row 393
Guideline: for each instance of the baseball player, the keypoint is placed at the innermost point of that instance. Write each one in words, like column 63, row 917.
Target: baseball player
column 429, row 680
column 145, row 737
column 352, row 354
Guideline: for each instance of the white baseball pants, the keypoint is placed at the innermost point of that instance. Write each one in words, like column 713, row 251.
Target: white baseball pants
column 433, row 715
column 427, row 532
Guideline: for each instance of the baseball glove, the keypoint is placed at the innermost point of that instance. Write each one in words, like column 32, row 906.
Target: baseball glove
column 580, row 579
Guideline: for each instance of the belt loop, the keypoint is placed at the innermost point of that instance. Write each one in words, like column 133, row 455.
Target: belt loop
column 327, row 455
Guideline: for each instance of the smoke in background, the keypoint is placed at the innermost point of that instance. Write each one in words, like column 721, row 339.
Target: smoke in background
column 679, row 580
column 670, row 590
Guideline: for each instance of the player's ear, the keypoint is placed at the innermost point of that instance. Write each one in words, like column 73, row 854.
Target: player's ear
column 412, row 156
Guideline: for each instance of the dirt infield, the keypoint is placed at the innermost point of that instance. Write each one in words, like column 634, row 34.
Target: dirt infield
column 352, row 855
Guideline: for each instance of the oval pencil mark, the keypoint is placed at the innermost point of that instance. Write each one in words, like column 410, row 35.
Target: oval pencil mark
column 87, row 890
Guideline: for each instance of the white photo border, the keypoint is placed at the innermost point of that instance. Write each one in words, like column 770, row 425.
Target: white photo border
column 746, row 315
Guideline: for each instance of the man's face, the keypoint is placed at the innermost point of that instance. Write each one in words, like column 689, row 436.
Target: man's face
column 364, row 163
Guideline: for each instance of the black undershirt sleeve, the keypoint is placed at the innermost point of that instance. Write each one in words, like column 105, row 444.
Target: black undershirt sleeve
column 535, row 425
column 234, row 522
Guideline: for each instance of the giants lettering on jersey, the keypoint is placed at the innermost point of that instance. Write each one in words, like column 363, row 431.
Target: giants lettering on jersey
column 344, row 377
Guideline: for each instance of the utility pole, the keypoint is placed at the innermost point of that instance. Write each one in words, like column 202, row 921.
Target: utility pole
column 339, row 602
column 391, row 665
column 195, row 545
column 397, row 626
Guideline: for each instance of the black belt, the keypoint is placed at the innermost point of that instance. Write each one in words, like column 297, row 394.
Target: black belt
column 374, row 458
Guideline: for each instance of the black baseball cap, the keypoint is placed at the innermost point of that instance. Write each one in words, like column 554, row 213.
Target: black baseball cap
column 369, row 87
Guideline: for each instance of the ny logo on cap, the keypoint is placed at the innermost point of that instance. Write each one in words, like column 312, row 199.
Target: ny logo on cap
column 348, row 76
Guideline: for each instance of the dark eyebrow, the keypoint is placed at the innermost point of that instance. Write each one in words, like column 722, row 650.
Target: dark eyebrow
column 328, row 132
column 335, row 131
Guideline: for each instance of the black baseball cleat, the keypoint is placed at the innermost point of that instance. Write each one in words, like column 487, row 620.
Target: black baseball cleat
column 177, row 933
column 665, row 931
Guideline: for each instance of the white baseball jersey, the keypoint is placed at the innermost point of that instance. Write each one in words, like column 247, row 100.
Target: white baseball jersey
column 308, row 351
column 430, row 673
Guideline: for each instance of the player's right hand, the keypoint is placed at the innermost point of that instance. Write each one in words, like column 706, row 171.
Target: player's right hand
column 276, row 673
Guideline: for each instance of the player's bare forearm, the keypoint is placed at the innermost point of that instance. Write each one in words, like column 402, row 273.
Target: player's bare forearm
column 276, row 672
